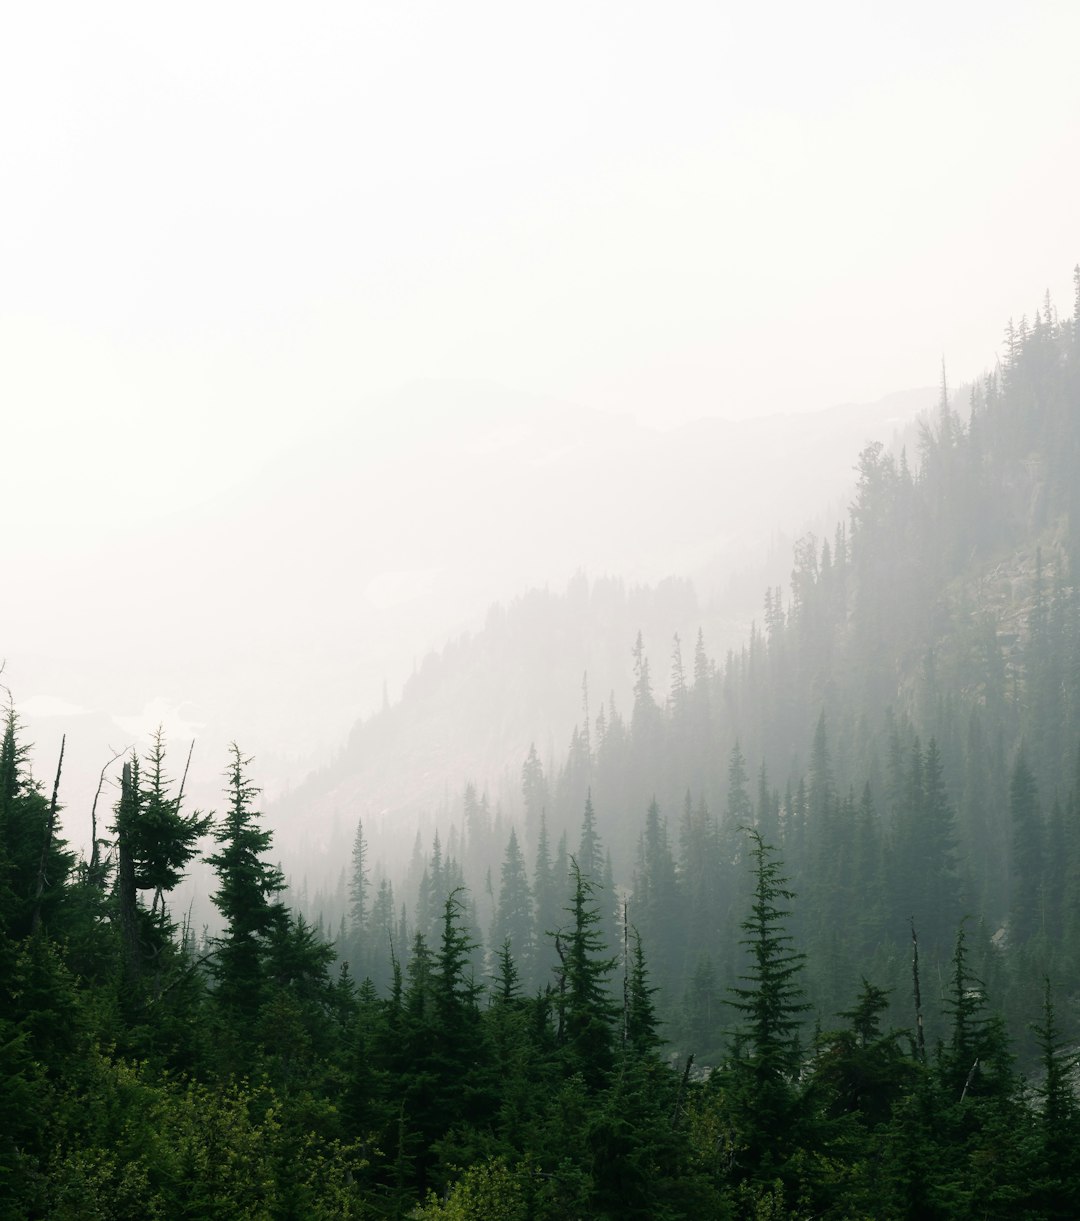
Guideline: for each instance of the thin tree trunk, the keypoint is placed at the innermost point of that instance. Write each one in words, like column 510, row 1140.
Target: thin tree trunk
column 183, row 778
column 677, row 1109
column 626, row 973
column 129, row 930
column 46, row 846
column 95, row 847
column 920, row 1033
column 967, row 1083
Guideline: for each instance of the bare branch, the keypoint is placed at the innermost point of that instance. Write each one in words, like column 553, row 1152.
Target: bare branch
column 183, row 778
column 93, row 811
column 47, row 844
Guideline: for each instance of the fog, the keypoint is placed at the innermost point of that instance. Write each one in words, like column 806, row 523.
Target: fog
column 319, row 334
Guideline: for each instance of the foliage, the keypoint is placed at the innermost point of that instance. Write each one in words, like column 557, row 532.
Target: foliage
column 144, row 1076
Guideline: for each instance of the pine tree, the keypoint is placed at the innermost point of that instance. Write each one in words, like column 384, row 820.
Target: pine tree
column 534, row 793
column 589, row 856
column 246, row 897
column 547, row 891
column 34, row 861
column 641, row 1023
column 656, row 894
column 1026, row 867
column 165, row 839
column 861, row 1069
column 587, row 1014
column 358, row 885
column 514, row 913
column 766, row 1063
column 975, row 1062
column 1058, row 1178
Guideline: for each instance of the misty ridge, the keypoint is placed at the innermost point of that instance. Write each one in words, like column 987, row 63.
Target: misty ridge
column 378, row 539
column 539, row 636
column 594, row 887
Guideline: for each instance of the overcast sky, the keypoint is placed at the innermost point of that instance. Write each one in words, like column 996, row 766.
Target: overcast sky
column 221, row 221
column 226, row 226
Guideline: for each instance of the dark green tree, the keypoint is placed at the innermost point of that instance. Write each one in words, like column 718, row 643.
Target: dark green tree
column 590, row 857
column 1026, row 869
column 1058, row 1175
column 248, row 886
column 514, row 913
column 359, row 885
column 587, row 1013
column 766, row 1061
column 640, row 1022
column 34, row 861
column 165, row 839
column 860, row 1069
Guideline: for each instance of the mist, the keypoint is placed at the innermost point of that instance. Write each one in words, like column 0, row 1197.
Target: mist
column 540, row 553
column 316, row 343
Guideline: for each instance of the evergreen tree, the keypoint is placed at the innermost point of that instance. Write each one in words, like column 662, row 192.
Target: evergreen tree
column 767, row 1059
column 657, row 903
column 975, row 1062
column 534, row 793
column 34, row 861
column 547, row 897
column 861, row 1069
column 640, row 1024
column 1026, row 868
column 164, row 838
column 590, row 857
column 514, row 913
column 587, row 1014
column 1058, row 1175
column 359, row 885
column 247, row 892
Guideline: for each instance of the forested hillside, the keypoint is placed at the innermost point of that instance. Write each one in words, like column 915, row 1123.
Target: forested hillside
column 795, row 938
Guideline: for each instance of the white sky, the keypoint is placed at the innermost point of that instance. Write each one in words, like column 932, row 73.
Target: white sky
column 224, row 226
column 222, row 219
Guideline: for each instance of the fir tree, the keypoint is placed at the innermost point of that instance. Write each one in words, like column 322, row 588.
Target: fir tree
column 766, row 1062
column 587, row 1014
column 247, row 892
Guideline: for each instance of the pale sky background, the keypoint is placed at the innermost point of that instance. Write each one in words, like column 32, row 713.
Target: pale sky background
column 227, row 229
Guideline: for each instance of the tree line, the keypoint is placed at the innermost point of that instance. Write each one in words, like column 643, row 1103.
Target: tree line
column 620, row 1002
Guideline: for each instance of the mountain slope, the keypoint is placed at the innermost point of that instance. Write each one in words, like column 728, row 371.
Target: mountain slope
column 880, row 727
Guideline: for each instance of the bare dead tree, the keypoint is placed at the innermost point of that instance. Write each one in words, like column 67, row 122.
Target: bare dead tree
column 626, row 973
column 967, row 1083
column 920, row 1033
column 126, row 892
column 183, row 778
column 46, row 846
column 561, row 1004
column 95, row 845
column 677, row 1109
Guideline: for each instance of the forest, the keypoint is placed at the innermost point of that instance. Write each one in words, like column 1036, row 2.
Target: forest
column 796, row 938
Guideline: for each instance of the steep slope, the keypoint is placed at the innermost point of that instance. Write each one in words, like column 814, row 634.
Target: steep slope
column 903, row 726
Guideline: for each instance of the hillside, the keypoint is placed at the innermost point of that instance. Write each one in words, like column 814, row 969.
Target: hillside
column 685, row 530
column 837, row 868
column 873, row 726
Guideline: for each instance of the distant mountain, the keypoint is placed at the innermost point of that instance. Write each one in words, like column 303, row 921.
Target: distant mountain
column 903, row 723
column 550, row 489
column 276, row 612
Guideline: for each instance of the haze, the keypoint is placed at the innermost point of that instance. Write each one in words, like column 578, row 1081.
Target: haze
column 321, row 330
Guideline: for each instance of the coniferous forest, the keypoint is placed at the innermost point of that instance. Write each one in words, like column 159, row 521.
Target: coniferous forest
column 798, row 938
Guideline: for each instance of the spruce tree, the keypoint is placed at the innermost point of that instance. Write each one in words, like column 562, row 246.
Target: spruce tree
column 764, row 1071
column 1058, row 1177
column 587, row 1013
column 514, row 913
column 246, row 897
column 1025, row 873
